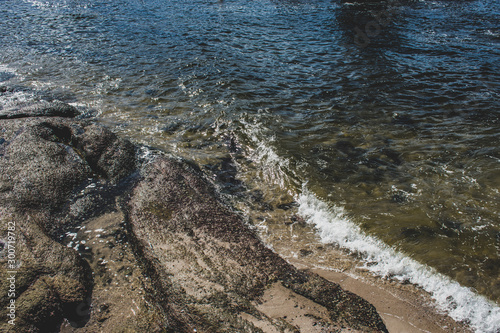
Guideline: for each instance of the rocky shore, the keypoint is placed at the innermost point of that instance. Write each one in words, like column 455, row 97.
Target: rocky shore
column 100, row 235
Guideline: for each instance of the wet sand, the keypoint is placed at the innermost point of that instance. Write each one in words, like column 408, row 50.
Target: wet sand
column 403, row 307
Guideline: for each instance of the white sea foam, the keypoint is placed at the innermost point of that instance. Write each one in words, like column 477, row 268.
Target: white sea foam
column 12, row 98
column 16, row 97
column 461, row 303
column 5, row 68
column 334, row 226
column 271, row 164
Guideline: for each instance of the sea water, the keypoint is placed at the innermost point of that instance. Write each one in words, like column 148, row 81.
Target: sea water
column 376, row 124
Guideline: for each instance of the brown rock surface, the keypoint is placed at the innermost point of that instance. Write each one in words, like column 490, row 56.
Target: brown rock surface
column 100, row 247
column 210, row 268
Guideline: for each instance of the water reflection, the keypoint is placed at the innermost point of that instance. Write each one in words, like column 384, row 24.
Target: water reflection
column 370, row 24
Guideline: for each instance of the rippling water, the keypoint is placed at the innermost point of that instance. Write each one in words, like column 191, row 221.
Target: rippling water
column 378, row 123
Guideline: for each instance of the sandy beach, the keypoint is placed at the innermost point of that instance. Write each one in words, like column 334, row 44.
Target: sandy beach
column 404, row 308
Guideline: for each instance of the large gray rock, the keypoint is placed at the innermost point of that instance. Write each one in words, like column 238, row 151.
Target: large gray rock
column 103, row 247
column 209, row 267
column 51, row 281
column 45, row 163
column 39, row 166
column 45, row 160
column 108, row 155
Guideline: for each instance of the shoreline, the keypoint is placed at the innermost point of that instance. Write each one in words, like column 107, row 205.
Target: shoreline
column 403, row 307
column 276, row 290
column 126, row 242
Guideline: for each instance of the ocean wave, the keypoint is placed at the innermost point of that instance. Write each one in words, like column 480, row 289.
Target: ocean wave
column 461, row 303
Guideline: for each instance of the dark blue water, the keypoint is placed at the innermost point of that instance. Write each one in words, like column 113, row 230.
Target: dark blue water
column 387, row 111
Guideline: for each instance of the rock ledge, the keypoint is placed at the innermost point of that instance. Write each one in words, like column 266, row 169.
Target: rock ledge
column 107, row 242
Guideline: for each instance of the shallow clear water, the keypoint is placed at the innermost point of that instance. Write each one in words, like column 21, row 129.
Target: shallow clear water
column 387, row 112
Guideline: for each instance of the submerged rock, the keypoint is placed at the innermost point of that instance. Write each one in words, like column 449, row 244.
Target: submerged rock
column 40, row 109
column 104, row 244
